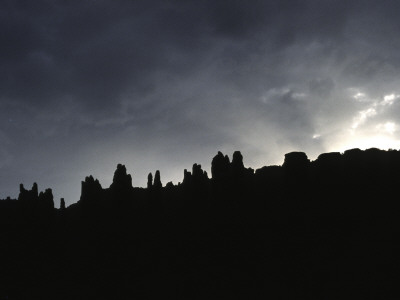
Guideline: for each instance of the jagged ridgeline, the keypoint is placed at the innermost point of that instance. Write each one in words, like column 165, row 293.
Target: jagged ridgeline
column 323, row 229
column 353, row 168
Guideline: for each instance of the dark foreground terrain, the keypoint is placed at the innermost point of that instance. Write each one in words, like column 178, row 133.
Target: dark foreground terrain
column 327, row 229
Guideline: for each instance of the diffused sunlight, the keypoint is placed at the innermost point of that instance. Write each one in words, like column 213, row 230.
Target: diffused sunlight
column 366, row 128
column 383, row 142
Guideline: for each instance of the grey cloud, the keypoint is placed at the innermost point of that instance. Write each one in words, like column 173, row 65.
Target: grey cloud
column 321, row 86
column 169, row 83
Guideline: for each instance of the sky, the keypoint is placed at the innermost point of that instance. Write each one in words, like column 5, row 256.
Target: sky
column 160, row 85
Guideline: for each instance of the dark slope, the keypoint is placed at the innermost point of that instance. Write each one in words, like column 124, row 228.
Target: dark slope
column 326, row 229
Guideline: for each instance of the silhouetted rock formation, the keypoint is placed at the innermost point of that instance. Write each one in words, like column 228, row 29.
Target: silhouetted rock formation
column 121, row 180
column 195, row 181
column 62, row 204
column 328, row 168
column 90, row 189
column 199, row 176
column 28, row 196
column 220, row 166
column 237, row 163
column 157, row 181
column 296, row 166
column 35, row 206
column 46, row 200
column 296, row 161
column 169, row 185
column 323, row 229
column 187, row 178
column 150, row 181
column 328, row 161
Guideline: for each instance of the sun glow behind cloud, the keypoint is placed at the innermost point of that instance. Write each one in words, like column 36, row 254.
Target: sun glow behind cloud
column 362, row 117
column 367, row 129
column 373, row 141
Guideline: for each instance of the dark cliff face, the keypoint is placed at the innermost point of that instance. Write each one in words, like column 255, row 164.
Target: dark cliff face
column 90, row 189
column 237, row 163
column 38, row 203
column 305, row 230
column 121, row 180
column 296, row 161
column 150, row 181
column 328, row 160
column 220, row 166
column 354, row 166
column 157, row 180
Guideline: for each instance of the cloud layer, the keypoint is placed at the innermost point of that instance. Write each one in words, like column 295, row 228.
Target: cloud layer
column 163, row 84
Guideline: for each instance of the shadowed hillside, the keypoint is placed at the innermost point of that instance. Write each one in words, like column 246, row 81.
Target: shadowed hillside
column 323, row 229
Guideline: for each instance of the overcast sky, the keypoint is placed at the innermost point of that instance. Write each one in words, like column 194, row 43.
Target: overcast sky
column 85, row 85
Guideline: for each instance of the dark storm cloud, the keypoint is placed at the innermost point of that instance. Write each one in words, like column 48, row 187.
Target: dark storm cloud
column 97, row 50
column 163, row 84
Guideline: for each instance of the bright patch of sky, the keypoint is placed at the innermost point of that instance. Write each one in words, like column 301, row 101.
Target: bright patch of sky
column 375, row 108
column 388, row 127
column 368, row 141
column 369, row 127
column 359, row 96
column 389, row 99
column 362, row 117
